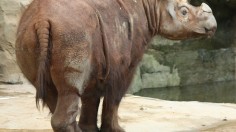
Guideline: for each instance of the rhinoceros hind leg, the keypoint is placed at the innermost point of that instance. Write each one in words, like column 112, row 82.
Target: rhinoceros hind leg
column 110, row 116
column 67, row 108
column 51, row 98
column 64, row 117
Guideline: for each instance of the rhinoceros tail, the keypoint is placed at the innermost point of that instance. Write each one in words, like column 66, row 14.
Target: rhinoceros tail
column 44, row 52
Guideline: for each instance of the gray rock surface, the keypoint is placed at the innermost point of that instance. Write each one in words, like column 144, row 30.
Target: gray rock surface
column 10, row 12
column 155, row 75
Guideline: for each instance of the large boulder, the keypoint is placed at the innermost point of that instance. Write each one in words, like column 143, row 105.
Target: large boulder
column 155, row 75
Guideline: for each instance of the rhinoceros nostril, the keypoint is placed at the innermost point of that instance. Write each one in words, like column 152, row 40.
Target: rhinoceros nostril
column 206, row 30
column 210, row 31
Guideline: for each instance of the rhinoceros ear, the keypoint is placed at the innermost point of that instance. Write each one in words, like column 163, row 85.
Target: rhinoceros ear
column 171, row 9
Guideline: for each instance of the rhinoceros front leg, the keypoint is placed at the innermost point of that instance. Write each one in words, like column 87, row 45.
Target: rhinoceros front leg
column 88, row 116
column 110, row 115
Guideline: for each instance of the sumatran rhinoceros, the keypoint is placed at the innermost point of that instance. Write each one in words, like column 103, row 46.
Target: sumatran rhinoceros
column 88, row 49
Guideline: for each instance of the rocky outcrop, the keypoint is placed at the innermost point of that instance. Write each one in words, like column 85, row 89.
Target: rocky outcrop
column 151, row 74
column 156, row 75
column 10, row 12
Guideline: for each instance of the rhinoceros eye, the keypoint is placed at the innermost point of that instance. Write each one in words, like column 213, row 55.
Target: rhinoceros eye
column 184, row 11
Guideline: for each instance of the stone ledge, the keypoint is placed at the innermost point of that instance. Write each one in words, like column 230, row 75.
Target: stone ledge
column 137, row 114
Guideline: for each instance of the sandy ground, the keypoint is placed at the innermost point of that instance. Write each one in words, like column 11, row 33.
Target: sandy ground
column 18, row 113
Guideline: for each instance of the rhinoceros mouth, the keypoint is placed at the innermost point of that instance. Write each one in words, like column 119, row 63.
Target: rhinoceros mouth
column 210, row 32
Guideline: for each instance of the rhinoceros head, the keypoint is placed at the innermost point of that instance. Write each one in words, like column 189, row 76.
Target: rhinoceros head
column 180, row 20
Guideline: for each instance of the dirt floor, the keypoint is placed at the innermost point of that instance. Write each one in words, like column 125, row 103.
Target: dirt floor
column 18, row 113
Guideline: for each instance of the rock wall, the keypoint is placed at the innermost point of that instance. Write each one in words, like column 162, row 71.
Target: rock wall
column 166, row 63
column 10, row 12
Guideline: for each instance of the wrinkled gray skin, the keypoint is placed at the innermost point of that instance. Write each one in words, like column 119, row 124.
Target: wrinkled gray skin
column 89, row 49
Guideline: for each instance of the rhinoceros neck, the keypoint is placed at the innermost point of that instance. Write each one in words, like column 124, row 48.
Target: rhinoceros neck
column 152, row 12
column 145, row 11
